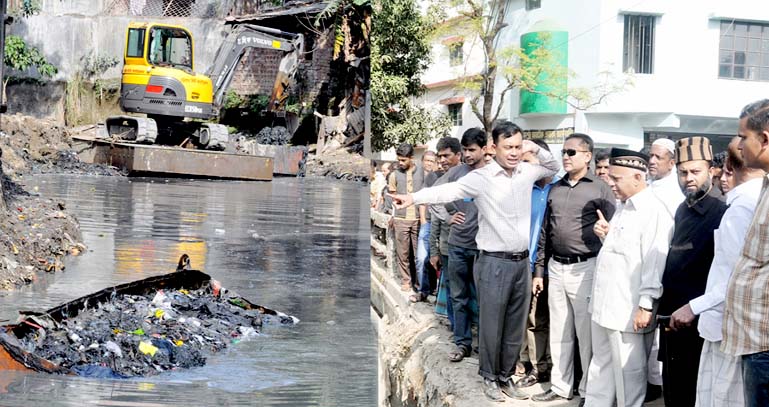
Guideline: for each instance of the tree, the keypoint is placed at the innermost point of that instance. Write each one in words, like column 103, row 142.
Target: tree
column 20, row 56
column 400, row 53
column 532, row 71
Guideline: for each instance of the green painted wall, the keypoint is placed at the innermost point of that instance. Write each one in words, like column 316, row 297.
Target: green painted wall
column 557, row 43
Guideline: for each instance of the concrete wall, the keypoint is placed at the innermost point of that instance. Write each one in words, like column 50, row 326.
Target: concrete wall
column 62, row 7
column 45, row 101
column 67, row 40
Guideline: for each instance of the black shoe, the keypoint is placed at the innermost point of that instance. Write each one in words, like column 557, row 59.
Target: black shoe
column 549, row 395
column 418, row 297
column 582, row 402
column 491, row 390
column 653, row 392
column 511, row 391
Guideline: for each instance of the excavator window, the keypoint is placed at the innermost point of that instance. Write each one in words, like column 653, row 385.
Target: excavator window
column 170, row 47
column 135, row 43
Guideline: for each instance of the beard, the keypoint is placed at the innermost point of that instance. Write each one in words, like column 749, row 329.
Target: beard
column 693, row 196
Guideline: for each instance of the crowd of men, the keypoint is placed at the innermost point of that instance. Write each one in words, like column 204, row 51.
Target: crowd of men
column 650, row 270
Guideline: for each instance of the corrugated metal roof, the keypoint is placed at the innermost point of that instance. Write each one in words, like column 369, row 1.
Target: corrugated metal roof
column 310, row 8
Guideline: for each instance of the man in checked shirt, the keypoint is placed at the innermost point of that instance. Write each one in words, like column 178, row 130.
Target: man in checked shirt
column 502, row 194
column 745, row 329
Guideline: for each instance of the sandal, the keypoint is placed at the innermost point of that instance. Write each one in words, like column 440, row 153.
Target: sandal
column 527, row 381
column 459, row 353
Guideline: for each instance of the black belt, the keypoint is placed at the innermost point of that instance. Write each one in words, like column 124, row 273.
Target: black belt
column 515, row 256
column 573, row 258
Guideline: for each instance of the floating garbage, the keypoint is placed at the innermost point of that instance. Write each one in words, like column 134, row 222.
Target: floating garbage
column 136, row 329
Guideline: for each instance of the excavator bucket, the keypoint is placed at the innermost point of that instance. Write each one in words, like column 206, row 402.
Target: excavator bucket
column 286, row 71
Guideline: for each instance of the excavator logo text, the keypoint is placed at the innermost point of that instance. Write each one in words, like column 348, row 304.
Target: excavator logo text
column 192, row 109
column 245, row 40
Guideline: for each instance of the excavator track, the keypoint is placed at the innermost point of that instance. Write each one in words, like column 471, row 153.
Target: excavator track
column 144, row 130
column 138, row 129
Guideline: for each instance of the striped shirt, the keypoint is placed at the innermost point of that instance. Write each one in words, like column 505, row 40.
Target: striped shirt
column 746, row 312
column 406, row 182
column 503, row 201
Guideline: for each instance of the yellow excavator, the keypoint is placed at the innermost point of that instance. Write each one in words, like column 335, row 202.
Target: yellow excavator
column 159, row 80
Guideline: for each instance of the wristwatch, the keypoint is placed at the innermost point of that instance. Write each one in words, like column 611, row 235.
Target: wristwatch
column 645, row 309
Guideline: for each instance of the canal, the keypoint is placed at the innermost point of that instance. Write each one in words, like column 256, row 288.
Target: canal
column 296, row 245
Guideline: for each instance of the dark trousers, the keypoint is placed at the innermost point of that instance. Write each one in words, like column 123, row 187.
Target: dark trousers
column 535, row 349
column 680, row 353
column 406, row 233
column 504, row 293
column 443, row 302
column 460, row 280
column 755, row 376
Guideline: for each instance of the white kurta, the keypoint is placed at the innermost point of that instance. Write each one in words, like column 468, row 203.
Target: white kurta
column 631, row 262
column 729, row 239
column 628, row 276
column 669, row 192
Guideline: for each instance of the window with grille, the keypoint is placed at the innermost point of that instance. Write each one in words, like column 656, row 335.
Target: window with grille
column 744, row 51
column 639, row 44
column 455, row 113
column 533, row 4
column 456, row 57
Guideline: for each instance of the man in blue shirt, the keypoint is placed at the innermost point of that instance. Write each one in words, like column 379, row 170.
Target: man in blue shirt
column 534, row 363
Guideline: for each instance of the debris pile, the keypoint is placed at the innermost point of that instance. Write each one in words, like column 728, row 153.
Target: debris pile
column 339, row 164
column 32, row 145
column 35, row 235
column 277, row 135
column 141, row 335
column 67, row 162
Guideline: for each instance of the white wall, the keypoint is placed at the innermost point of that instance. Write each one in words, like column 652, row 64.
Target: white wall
column 685, row 78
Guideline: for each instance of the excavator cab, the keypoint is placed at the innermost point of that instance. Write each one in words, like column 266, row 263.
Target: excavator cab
column 170, row 47
column 158, row 75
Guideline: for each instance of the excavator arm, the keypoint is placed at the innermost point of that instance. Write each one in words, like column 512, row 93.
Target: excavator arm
column 233, row 48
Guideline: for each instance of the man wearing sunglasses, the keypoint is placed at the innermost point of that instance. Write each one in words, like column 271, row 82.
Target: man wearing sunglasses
column 568, row 249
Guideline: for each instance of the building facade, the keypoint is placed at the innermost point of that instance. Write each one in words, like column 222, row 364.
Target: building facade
column 693, row 66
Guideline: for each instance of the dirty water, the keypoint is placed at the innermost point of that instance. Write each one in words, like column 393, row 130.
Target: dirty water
column 295, row 245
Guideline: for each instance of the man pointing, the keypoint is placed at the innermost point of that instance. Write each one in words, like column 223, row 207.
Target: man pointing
column 627, row 284
column 502, row 193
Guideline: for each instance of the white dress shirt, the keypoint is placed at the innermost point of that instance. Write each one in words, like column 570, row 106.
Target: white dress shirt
column 630, row 264
column 503, row 201
column 729, row 239
column 669, row 192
